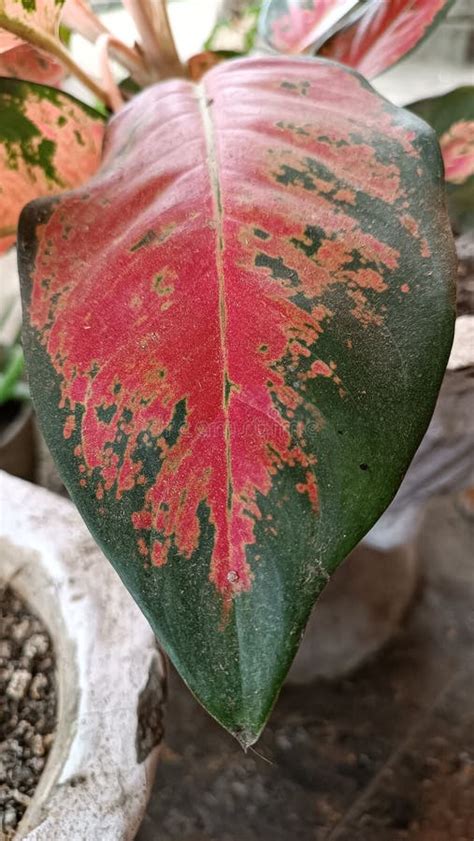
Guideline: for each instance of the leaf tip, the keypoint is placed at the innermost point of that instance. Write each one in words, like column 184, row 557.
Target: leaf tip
column 247, row 738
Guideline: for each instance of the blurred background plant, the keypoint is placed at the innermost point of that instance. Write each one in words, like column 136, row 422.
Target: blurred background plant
column 17, row 431
column 13, row 386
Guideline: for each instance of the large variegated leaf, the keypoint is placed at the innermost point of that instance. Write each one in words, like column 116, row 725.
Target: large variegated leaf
column 235, row 335
column 388, row 32
column 49, row 142
column 452, row 117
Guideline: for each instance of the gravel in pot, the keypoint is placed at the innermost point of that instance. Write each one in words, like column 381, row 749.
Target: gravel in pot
column 27, row 706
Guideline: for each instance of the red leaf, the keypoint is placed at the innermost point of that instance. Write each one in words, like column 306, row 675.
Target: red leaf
column 235, row 333
column 152, row 234
column 291, row 26
column 385, row 34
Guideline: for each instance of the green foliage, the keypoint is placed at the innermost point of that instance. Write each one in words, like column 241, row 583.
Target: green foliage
column 241, row 27
column 12, row 383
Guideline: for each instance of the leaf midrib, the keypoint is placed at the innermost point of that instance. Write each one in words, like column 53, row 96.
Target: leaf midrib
column 211, row 159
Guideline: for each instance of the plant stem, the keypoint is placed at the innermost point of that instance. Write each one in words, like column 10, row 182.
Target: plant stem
column 168, row 54
column 9, row 231
column 79, row 17
column 152, row 22
column 103, row 45
column 131, row 60
column 65, row 57
column 51, row 45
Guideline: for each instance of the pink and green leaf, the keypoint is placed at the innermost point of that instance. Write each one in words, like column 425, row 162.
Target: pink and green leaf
column 293, row 26
column 452, row 117
column 22, row 17
column 386, row 34
column 235, row 348
column 29, row 40
column 49, row 142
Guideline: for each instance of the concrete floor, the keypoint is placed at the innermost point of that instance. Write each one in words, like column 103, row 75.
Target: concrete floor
column 383, row 756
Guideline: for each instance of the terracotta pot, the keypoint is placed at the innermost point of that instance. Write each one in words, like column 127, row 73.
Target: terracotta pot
column 17, row 440
column 110, row 673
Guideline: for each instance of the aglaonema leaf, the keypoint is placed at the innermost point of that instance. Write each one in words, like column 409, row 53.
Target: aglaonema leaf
column 452, row 117
column 37, row 23
column 18, row 59
column 382, row 32
column 31, row 18
column 389, row 31
column 49, row 142
column 235, row 335
column 293, row 26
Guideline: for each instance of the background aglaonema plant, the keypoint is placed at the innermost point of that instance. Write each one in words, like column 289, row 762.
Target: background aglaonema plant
column 238, row 307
